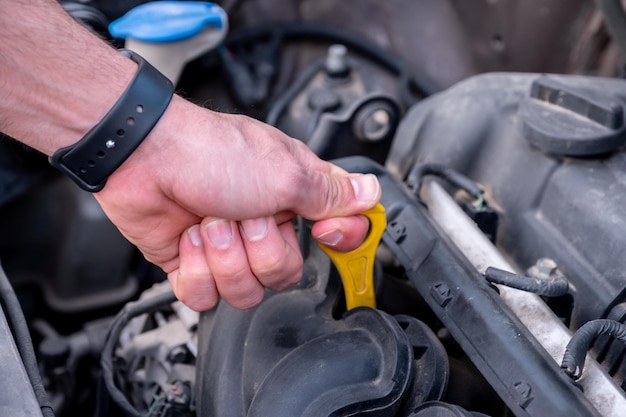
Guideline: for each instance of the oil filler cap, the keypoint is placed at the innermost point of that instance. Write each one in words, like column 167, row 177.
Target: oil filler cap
column 570, row 119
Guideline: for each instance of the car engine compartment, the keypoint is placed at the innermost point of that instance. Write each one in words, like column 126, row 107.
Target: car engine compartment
column 497, row 132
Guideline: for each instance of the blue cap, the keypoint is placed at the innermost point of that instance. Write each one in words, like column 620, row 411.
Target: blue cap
column 167, row 21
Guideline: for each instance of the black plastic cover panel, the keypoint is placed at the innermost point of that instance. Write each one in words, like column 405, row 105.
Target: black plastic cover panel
column 523, row 374
column 547, row 149
column 291, row 357
column 17, row 398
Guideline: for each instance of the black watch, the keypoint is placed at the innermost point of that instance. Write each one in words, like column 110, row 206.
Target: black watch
column 91, row 160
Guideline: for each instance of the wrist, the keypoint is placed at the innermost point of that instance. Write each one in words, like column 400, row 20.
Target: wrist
column 91, row 160
column 58, row 80
column 150, row 165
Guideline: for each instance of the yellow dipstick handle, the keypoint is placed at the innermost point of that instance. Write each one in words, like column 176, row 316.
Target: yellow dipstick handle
column 356, row 268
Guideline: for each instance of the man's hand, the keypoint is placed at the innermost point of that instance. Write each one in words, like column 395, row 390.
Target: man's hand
column 210, row 197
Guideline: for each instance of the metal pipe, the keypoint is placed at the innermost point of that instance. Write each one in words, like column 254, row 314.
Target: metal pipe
column 550, row 332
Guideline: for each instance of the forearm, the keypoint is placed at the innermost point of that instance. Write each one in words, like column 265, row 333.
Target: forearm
column 56, row 79
column 240, row 179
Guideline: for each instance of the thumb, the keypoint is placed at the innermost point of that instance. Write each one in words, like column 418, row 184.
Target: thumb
column 338, row 195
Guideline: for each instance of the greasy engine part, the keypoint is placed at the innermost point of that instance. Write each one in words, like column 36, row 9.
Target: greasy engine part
column 491, row 335
column 68, row 363
column 441, row 409
column 449, row 40
column 292, row 356
column 570, row 205
column 338, row 110
column 149, row 358
column 251, row 63
column 532, row 311
column 549, row 151
column 574, row 358
column 86, row 266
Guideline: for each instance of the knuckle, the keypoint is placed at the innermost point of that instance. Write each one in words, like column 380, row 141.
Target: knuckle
column 288, row 281
column 332, row 195
column 292, row 187
column 312, row 192
column 249, row 300
column 232, row 279
column 197, row 294
column 284, row 276
column 200, row 304
column 270, row 265
column 196, row 274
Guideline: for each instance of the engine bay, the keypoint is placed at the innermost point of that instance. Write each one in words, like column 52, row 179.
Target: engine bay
column 497, row 132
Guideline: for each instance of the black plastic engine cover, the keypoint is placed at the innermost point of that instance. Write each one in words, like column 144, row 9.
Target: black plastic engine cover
column 290, row 357
column 518, row 368
column 549, row 151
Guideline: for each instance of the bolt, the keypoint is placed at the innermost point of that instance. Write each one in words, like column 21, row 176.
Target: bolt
column 178, row 354
column 377, row 126
column 544, row 268
column 336, row 61
column 373, row 122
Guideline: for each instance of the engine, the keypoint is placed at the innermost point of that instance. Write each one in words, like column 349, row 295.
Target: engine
column 499, row 283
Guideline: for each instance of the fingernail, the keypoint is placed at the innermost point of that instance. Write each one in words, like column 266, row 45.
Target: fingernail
column 331, row 238
column 254, row 229
column 366, row 187
column 220, row 233
column 194, row 235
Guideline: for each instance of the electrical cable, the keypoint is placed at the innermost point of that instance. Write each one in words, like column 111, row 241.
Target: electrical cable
column 23, row 341
column 411, row 84
column 252, row 73
column 419, row 171
column 130, row 310
column 273, row 116
column 102, row 398
column 553, row 287
column 576, row 350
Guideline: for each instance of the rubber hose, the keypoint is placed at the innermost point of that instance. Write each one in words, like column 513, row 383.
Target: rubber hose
column 277, row 110
column 547, row 287
column 307, row 31
column 576, row 350
column 23, row 341
column 417, row 174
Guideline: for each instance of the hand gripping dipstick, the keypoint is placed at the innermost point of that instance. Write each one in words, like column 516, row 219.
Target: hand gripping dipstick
column 356, row 268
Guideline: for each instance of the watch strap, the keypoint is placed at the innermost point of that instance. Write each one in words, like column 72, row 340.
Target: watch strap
column 91, row 160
